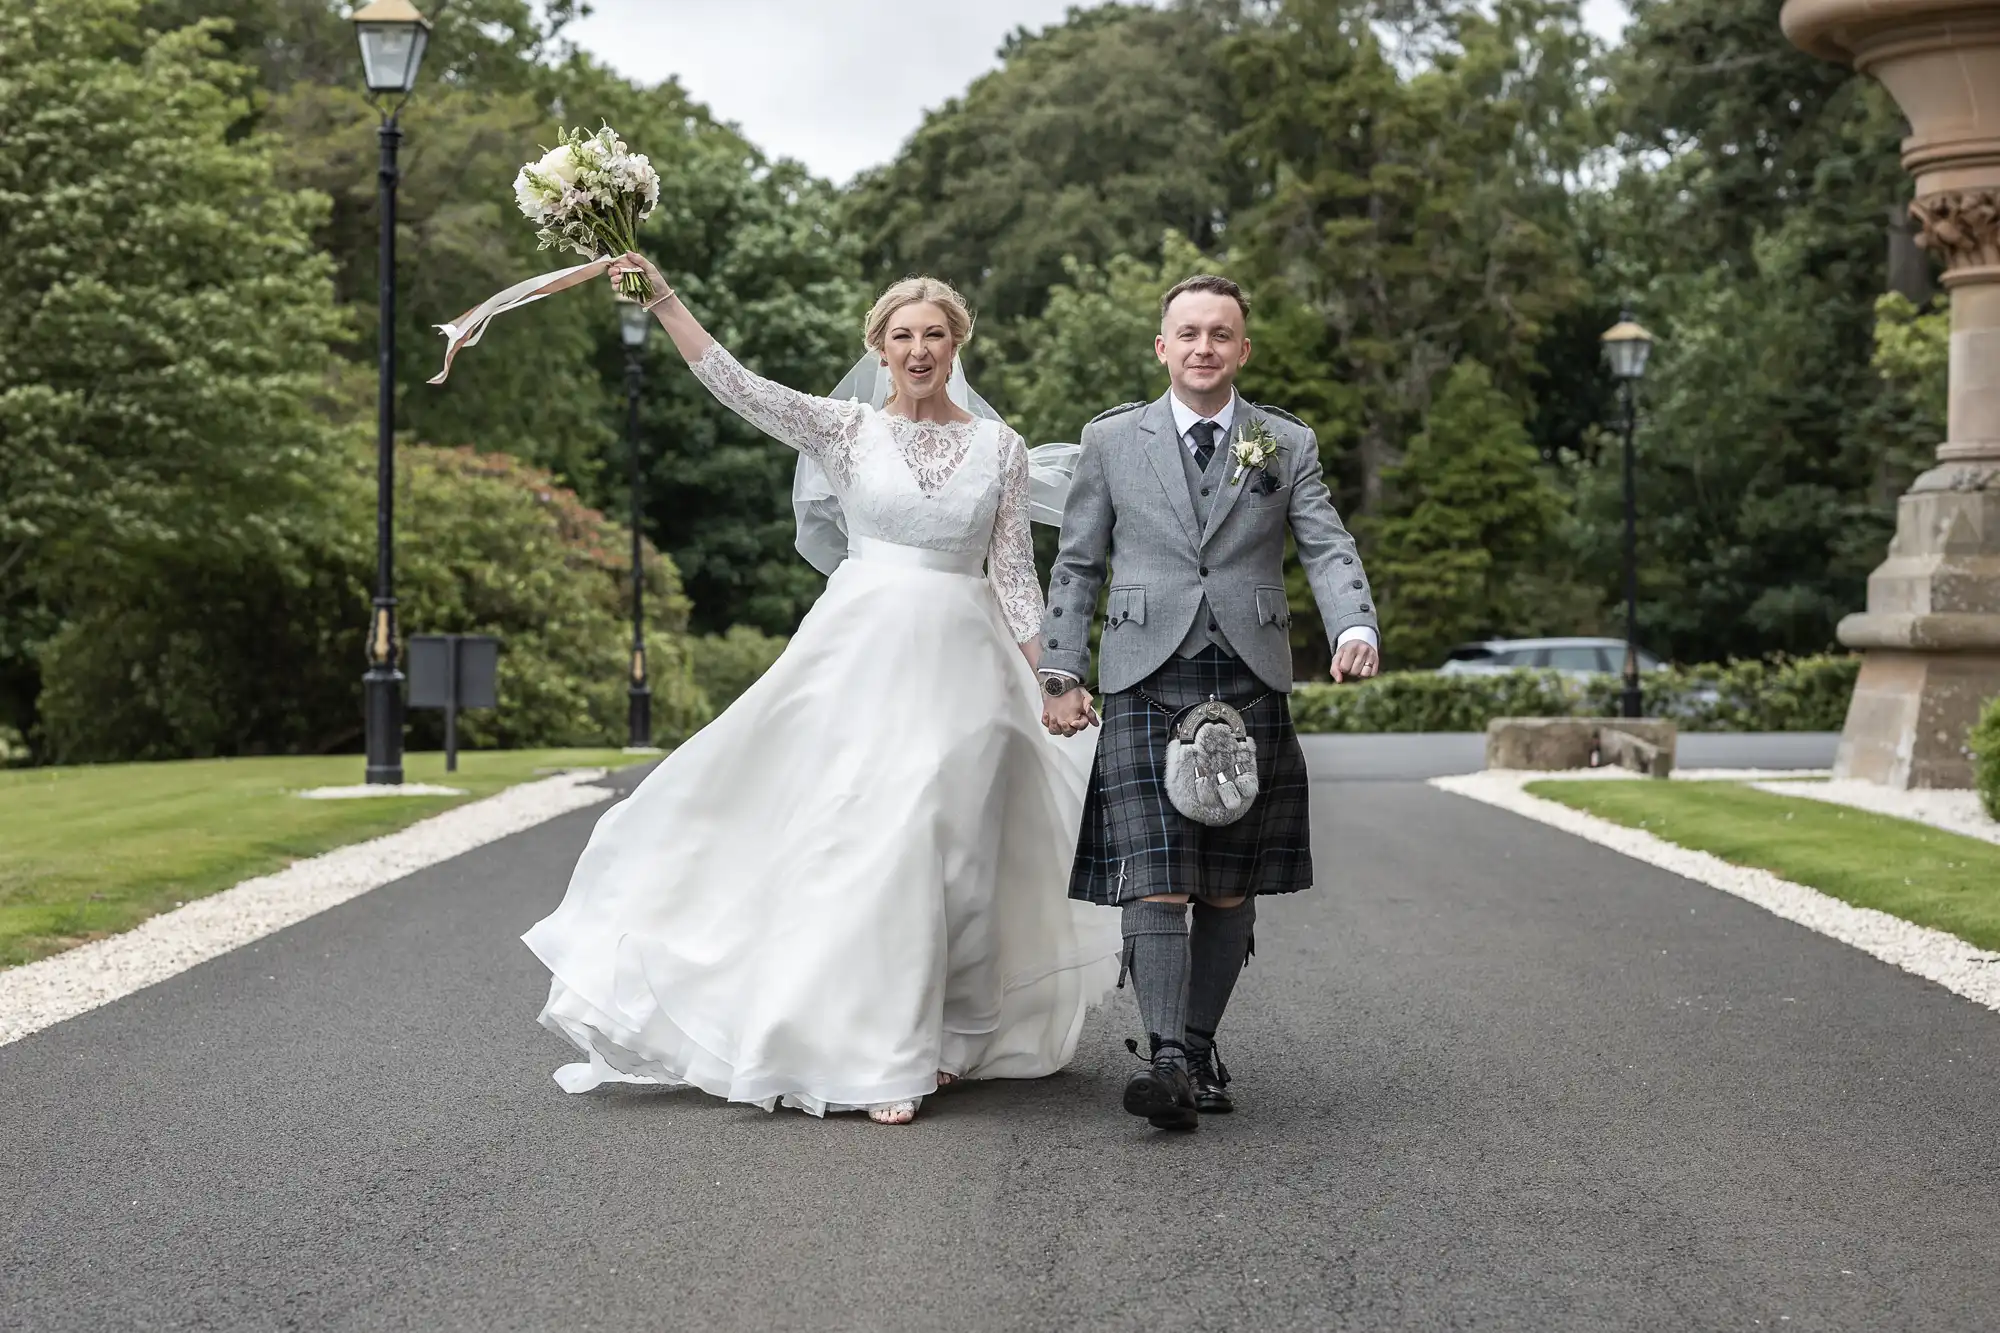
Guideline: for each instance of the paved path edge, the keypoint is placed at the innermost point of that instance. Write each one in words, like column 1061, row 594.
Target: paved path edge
column 43, row 993
column 1934, row 955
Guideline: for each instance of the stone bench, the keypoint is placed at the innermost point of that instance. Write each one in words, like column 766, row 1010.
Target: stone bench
column 1555, row 744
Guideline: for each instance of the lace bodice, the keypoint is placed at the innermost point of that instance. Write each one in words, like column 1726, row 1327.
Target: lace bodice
column 943, row 486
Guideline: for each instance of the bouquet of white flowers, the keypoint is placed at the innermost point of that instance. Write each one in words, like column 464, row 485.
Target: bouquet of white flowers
column 589, row 194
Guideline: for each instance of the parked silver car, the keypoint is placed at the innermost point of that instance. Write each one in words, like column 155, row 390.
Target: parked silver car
column 1578, row 658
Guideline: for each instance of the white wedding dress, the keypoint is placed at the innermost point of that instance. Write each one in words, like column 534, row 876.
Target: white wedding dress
column 857, row 876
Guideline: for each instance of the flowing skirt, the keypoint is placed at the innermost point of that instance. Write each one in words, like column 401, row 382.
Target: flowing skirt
column 852, row 879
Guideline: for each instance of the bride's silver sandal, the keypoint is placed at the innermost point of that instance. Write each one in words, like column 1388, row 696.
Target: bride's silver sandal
column 895, row 1113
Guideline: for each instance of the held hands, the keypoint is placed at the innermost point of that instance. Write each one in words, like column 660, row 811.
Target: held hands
column 1356, row 660
column 1067, row 714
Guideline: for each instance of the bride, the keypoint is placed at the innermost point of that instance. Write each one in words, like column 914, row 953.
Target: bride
column 849, row 889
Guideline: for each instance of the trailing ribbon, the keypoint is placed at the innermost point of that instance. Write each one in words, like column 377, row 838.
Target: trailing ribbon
column 467, row 328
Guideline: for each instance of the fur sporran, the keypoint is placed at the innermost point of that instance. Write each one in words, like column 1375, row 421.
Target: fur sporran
column 1211, row 764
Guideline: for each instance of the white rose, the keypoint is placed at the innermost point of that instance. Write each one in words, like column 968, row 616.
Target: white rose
column 559, row 163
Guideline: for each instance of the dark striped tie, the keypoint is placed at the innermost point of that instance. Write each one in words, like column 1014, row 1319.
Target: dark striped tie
column 1204, row 433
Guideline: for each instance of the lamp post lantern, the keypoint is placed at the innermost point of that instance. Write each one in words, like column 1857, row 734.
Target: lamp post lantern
column 1626, row 348
column 633, row 325
column 393, row 36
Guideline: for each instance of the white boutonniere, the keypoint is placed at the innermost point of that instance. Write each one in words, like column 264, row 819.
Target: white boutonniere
column 1254, row 449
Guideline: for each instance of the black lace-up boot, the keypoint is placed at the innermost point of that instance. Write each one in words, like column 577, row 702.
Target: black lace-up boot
column 1162, row 1092
column 1209, row 1075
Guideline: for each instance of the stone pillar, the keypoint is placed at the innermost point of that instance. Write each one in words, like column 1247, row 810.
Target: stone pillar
column 1930, row 638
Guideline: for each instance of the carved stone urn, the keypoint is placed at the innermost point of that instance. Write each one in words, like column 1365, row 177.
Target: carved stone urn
column 1930, row 638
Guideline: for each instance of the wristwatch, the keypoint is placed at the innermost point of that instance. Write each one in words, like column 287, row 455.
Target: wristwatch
column 1057, row 686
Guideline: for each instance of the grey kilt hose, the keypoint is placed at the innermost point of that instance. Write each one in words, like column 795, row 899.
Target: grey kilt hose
column 1134, row 844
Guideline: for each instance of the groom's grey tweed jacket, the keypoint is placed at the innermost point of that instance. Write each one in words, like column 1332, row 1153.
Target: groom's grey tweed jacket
column 1129, row 506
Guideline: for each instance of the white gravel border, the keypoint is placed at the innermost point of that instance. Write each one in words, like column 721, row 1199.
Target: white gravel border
column 1930, row 954
column 1953, row 811
column 40, row 994
column 372, row 791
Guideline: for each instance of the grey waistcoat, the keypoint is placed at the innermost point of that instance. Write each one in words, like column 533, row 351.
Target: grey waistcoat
column 1206, row 629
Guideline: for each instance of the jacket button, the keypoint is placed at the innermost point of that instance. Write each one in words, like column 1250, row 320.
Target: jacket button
column 1364, row 607
column 1054, row 644
column 1065, row 578
column 1211, row 627
column 1204, row 571
column 1057, row 611
column 1204, row 490
column 1357, row 586
column 1345, row 560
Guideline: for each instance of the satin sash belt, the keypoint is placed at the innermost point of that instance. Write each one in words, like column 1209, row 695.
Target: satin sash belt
column 972, row 564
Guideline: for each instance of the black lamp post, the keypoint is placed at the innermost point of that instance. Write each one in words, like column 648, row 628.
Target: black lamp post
column 393, row 36
column 633, row 325
column 1626, row 347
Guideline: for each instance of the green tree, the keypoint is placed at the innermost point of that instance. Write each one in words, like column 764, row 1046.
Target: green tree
column 265, row 658
column 1913, row 354
column 1407, row 218
column 751, row 244
column 163, row 363
column 1094, row 137
column 1091, row 347
column 1472, row 517
column 534, row 386
column 1732, row 129
column 492, row 45
column 1750, row 218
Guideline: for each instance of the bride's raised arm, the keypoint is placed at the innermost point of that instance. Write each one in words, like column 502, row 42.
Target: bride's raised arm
column 823, row 429
column 1010, row 561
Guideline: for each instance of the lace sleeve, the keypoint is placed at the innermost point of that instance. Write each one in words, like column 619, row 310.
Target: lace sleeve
column 823, row 429
column 1010, row 563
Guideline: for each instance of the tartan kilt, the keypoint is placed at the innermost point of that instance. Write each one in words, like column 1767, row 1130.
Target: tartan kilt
column 1134, row 844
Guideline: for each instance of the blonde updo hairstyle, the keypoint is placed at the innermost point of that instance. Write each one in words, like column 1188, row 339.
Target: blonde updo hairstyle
column 911, row 291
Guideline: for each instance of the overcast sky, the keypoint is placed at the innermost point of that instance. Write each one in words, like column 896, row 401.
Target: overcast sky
column 804, row 78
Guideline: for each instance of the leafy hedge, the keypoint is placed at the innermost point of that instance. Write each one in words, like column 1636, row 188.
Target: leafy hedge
column 1426, row 701
column 1771, row 694
column 1777, row 694
column 1985, row 744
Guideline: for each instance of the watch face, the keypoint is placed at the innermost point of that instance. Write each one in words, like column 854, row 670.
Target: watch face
column 1056, row 685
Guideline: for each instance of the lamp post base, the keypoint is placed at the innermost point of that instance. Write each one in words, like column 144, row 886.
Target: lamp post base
column 383, row 702
column 640, row 728
column 1633, row 703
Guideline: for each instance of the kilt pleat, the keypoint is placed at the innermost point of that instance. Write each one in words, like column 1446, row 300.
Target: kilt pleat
column 1134, row 844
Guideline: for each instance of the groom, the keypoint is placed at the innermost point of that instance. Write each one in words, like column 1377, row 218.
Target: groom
column 1186, row 502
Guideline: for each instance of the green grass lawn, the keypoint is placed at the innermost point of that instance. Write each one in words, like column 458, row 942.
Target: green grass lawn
column 90, row 851
column 1937, row 879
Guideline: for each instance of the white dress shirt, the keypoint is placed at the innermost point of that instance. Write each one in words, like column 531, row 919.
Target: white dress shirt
column 1185, row 418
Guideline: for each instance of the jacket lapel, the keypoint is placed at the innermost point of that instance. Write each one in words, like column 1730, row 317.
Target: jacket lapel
column 1163, row 450
column 1230, row 494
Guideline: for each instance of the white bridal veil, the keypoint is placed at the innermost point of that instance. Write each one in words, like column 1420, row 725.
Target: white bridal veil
column 822, row 527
